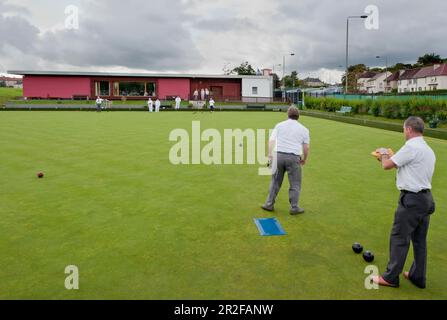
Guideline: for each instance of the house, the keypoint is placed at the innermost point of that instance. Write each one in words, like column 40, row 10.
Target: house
column 363, row 79
column 391, row 83
column 313, row 82
column 377, row 83
column 134, row 86
column 429, row 78
column 11, row 82
column 407, row 82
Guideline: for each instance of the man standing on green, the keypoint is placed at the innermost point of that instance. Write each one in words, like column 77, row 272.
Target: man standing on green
column 290, row 140
column 415, row 164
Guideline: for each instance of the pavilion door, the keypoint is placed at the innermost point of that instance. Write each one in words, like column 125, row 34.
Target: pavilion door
column 217, row 93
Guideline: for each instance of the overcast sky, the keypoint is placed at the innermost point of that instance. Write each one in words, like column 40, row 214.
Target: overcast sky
column 202, row 36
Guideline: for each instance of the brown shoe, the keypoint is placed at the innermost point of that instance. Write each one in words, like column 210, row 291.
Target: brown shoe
column 382, row 282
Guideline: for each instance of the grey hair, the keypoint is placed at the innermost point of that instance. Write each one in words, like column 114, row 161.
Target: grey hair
column 415, row 123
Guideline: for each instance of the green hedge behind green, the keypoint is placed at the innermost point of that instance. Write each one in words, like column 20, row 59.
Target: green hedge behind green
column 425, row 108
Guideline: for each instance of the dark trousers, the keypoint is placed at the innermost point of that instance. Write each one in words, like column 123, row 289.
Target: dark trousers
column 411, row 222
column 98, row 107
column 291, row 164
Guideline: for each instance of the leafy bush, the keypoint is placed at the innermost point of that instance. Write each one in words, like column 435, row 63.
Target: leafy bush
column 425, row 108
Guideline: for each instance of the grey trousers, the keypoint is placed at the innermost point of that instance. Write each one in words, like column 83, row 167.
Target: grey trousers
column 291, row 164
column 411, row 223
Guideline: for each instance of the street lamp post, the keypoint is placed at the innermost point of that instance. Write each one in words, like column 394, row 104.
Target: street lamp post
column 386, row 70
column 347, row 47
column 276, row 65
column 284, row 76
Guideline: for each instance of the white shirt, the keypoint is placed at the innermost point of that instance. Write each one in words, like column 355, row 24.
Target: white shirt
column 150, row 103
column 212, row 103
column 99, row 101
column 415, row 165
column 290, row 136
column 178, row 100
column 158, row 103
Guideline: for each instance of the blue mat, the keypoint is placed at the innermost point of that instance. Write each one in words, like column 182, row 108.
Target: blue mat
column 269, row 227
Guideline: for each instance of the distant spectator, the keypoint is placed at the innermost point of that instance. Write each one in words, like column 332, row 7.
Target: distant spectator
column 99, row 104
column 202, row 94
column 157, row 105
column 178, row 102
column 212, row 103
column 150, row 105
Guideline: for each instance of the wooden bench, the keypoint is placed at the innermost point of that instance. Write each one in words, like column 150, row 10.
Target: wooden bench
column 79, row 97
column 344, row 110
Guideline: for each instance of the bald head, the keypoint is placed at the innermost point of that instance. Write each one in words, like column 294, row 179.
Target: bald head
column 293, row 113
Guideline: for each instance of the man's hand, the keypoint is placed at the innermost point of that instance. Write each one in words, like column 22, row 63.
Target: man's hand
column 270, row 161
column 383, row 153
column 303, row 162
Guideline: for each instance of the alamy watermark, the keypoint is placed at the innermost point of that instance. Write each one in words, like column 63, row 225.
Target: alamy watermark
column 372, row 21
column 372, row 271
column 209, row 147
column 72, row 280
column 72, row 17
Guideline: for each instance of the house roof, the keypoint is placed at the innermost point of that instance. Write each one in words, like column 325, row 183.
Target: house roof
column 135, row 75
column 10, row 79
column 432, row 71
column 312, row 80
column 409, row 74
column 367, row 75
column 377, row 76
column 393, row 77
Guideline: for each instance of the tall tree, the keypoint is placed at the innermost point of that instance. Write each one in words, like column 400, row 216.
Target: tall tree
column 354, row 72
column 244, row 69
column 290, row 80
column 429, row 59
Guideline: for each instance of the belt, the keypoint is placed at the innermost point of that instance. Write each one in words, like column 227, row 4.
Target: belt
column 422, row 191
column 291, row 154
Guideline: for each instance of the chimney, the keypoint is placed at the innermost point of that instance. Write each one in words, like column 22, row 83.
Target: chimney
column 267, row 72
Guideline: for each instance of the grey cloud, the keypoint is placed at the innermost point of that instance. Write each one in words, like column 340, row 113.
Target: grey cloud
column 407, row 30
column 18, row 33
column 225, row 24
column 133, row 34
column 164, row 35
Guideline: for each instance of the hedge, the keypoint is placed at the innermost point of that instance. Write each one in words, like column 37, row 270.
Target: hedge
column 373, row 124
column 425, row 108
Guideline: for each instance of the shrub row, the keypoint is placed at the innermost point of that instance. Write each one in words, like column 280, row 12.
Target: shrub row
column 427, row 109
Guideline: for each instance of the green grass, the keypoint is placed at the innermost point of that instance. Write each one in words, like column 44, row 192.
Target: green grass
column 7, row 94
column 140, row 228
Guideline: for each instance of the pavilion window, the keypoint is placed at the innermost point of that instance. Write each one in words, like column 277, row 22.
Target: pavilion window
column 150, row 89
column 134, row 89
column 102, row 88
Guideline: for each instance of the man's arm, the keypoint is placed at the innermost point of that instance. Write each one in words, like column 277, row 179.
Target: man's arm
column 272, row 144
column 305, row 153
column 387, row 163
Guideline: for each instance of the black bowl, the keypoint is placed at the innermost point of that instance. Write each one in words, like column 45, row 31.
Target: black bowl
column 368, row 256
column 357, row 247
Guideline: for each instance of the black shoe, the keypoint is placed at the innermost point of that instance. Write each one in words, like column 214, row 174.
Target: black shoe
column 269, row 209
column 296, row 211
